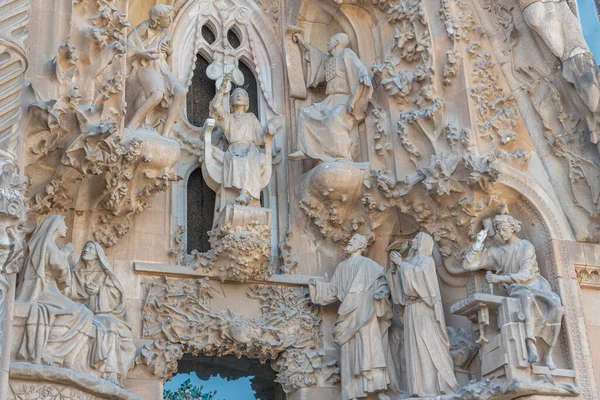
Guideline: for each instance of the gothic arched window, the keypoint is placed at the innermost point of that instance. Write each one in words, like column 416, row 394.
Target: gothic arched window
column 200, row 211
column 200, row 93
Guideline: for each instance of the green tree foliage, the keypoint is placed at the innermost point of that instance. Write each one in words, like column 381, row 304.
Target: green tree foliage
column 187, row 391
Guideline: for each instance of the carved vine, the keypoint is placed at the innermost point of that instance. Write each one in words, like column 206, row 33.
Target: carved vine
column 177, row 316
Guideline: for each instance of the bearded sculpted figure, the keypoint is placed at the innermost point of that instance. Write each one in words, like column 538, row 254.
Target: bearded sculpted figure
column 246, row 168
column 325, row 130
column 97, row 287
column 514, row 264
column 364, row 318
column 414, row 285
column 57, row 329
column 150, row 83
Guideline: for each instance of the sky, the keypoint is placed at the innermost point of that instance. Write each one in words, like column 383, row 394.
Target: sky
column 591, row 27
column 238, row 389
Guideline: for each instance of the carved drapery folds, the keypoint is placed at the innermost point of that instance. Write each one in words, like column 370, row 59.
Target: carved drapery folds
column 177, row 316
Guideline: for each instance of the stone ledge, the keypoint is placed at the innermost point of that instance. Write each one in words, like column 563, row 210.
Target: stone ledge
column 181, row 271
column 77, row 380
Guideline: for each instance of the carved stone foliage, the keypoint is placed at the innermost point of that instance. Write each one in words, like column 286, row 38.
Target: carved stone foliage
column 449, row 197
column 245, row 252
column 563, row 127
column 78, row 155
column 240, row 247
column 13, row 210
column 177, row 316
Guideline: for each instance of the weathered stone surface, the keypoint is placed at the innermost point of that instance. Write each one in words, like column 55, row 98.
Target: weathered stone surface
column 332, row 123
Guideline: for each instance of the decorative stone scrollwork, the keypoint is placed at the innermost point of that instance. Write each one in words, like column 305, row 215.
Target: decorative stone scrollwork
column 13, row 214
column 287, row 332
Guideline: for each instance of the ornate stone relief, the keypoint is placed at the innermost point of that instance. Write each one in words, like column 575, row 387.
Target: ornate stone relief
column 13, row 214
column 177, row 316
column 82, row 301
column 121, row 169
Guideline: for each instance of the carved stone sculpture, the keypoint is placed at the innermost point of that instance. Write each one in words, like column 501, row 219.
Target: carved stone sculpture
column 150, row 83
column 414, row 285
column 245, row 169
column 325, row 130
column 364, row 318
column 514, row 265
column 13, row 208
column 95, row 285
column 58, row 329
column 561, row 31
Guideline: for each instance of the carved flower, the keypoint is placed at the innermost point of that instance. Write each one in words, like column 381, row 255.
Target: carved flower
column 403, row 33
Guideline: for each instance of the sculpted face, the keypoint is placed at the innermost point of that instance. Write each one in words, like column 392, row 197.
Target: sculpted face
column 505, row 231
column 62, row 229
column 332, row 44
column 240, row 98
column 165, row 20
column 356, row 243
column 89, row 252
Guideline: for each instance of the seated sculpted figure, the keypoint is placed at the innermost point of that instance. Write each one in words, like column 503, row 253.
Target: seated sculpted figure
column 364, row 319
column 150, row 83
column 58, row 329
column 95, row 285
column 514, row 264
column 325, row 130
column 244, row 164
column 414, row 285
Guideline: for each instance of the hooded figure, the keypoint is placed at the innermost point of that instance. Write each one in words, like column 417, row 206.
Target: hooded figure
column 57, row 328
column 325, row 130
column 95, row 285
column 364, row 318
column 414, row 285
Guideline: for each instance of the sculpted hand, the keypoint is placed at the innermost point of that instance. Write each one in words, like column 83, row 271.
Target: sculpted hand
column 493, row 278
column 396, row 260
column 312, row 282
column 67, row 248
column 365, row 80
column 225, row 84
column 481, row 236
column 165, row 47
column 92, row 288
column 149, row 55
column 297, row 38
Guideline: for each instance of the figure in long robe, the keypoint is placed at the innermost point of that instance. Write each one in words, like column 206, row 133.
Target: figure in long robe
column 414, row 285
column 58, row 329
column 364, row 318
column 326, row 130
column 515, row 265
column 150, row 82
column 243, row 161
column 96, row 286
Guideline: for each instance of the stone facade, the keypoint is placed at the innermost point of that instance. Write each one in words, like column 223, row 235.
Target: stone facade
column 407, row 197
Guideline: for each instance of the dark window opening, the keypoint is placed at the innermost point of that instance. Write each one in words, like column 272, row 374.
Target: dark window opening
column 201, row 92
column 208, row 34
column 233, row 39
column 200, row 211
column 251, row 87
